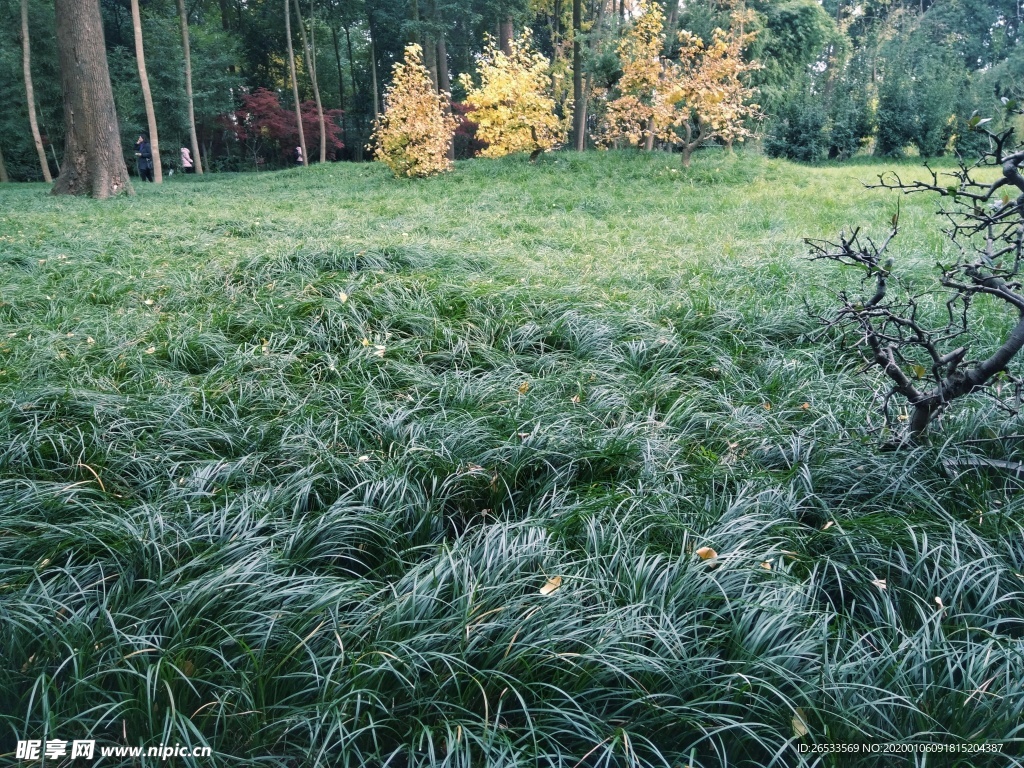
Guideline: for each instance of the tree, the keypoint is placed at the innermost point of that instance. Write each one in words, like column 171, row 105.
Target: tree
column 4, row 178
column 295, row 82
column 926, row 356
column 414, row 132
column 30, row 93
column 640, row 111
column 186, row 47
column 708, row 89
column 311, row 66
column 268, row 131
column 147, row 96
column 513, row 108
column 93, row 162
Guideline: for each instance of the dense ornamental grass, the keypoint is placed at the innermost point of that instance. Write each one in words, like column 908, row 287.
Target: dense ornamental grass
column 287, row 459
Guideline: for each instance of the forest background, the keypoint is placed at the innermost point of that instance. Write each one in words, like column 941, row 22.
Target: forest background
column 834, row 79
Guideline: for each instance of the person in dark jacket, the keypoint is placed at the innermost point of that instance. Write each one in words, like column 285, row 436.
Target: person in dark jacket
column 144, row 153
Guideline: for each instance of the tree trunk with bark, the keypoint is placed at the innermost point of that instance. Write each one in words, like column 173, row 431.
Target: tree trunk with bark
column 341, row 85
column 373, row 76
column 4, row 178
column 192, row 136
column 147, row 96
column 506, row 32
column 26, row 62
column 311, row 66
column 295, row 81
column 93, row 161
column 578, row 105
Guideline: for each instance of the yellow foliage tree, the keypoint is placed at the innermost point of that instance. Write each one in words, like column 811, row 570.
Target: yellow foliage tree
column 708, row 91
column 513, row 104
column 413, row 133
column 640, row 112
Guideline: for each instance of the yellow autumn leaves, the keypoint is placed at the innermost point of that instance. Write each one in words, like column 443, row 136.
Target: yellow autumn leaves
column 697, row 96
column 414, row 133
column 514, row 110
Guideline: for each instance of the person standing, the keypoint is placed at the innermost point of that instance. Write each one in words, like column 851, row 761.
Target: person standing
column 186, row 161
column 297, row 156
column 144, row 153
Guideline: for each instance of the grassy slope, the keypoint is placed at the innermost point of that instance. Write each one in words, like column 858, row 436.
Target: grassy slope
column 235, row 509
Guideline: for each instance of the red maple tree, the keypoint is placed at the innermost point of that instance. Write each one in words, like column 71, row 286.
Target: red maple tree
column 268, row 130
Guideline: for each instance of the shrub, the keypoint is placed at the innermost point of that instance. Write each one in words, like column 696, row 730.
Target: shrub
column 514, row 109
column 415, row 131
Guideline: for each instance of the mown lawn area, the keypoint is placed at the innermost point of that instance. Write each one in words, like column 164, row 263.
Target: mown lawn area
column 319, row 467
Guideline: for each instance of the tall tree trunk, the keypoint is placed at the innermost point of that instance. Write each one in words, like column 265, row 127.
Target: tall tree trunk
column 670, row 27
column 26, row 62
column 147, row 96
column 341, row 85
column 295, row 81
column 193, row 138
column 505, row 34
column 373, row 75
column 93, row 162
column 430, row 59
column 444, row 83
column 357, row 150
column 444, row 79
column 311, row 66
column 579, row 108
column 225, row 15
column 4, row 178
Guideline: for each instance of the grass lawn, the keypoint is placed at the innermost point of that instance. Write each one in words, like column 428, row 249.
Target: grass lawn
column 319, row 467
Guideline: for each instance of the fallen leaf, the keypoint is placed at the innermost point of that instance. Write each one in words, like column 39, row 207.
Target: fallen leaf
column 800, row 728
column 767, row 406
column 150, row 350
column 524, row 388
column 149, row 302
column 880, row 583
column 342, row 297
column 938, row 602
column 706, row 553
column 366, row 342
column 551, row 585
column 576, row 399
column 806, row 406
column 767, row 565
column 828, row 525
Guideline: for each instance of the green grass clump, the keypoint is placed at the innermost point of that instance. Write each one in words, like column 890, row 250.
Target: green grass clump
column 286, row 459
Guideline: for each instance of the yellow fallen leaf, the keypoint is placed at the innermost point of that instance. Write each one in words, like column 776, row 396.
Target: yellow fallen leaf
column 576, row 399
column 766, row 565
column 342, row 297
column 706, row 553
column 150, row 350
column 767, row 406
column 806, row 406
column 90, row 340
column 800, row 728
column 366, row 342
column 551, row 585
column 149, row 302
column 524, row 388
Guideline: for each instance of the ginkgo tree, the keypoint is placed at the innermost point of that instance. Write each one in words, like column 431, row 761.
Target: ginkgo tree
column 640, row 111
column 708, row 92
column 414, row 132
column 513, row 105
